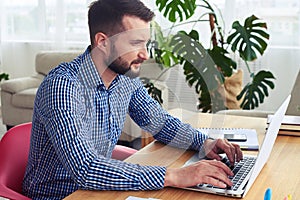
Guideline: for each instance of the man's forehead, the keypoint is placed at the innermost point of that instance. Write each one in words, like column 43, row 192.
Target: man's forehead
column 134, row 29
column 137, row 33
column 133, row 22
column 142, row 34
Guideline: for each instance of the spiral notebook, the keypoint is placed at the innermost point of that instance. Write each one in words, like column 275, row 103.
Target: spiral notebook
column 250, row 144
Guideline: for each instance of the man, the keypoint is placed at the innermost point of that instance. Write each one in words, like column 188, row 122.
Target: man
column 80, row 110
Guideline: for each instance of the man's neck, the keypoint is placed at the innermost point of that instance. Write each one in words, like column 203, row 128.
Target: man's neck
column 106, row 74
column 107, row 77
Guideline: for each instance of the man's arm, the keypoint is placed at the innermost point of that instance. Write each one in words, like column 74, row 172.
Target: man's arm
column 61, row 111
column 165, row 128
column 150, row 116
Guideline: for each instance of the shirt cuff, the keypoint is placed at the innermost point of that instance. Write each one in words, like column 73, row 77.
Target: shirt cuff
column 152, row 177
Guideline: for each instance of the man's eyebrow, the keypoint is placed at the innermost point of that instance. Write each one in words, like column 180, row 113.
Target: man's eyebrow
column 137, row 41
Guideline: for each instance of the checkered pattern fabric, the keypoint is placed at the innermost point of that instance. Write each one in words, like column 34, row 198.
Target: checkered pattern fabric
column 76, row 124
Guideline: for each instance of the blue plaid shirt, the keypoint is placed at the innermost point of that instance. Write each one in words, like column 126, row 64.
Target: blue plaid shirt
column 76, row 124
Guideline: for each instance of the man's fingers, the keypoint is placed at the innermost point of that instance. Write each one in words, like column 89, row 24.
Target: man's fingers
column 233, row 151
column 219, row 174
column 214, row 156
column 215, row 182
column 223, row 167
column 227, row 148
column 239, row 153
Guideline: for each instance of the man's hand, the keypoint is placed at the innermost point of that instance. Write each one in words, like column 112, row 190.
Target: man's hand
column 212, row 149
column 205, row 171
column 212, row 172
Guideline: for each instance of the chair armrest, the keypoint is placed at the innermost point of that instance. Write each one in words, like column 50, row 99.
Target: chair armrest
column 18, row 84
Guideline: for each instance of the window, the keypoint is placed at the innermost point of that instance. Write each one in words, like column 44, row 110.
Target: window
column 45, row 20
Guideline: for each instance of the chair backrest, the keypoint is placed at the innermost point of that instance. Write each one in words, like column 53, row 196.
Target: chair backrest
column 14, row 150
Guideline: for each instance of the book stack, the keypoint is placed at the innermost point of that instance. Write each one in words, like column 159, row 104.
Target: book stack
column 289, row 126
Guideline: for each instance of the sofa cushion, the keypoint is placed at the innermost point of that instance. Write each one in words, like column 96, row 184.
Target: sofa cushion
column 18, row 84
column 47, row 60
column 25, row 98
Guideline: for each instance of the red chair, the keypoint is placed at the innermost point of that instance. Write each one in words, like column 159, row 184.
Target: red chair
column 14, row 149
column 121, row 152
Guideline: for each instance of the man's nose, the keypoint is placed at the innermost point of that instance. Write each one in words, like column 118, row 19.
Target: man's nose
column 143, row 54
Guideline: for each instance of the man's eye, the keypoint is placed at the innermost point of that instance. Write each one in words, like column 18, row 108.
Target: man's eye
column 138, row 44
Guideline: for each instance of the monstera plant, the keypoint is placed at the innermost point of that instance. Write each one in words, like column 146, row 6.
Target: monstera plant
column 205, row 69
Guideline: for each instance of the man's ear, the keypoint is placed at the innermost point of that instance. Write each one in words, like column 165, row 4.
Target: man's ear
column 101, row 42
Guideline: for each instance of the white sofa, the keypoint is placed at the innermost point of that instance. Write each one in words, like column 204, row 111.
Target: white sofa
column 17, row 95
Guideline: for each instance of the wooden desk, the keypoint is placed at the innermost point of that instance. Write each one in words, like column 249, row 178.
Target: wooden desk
column 281, row 173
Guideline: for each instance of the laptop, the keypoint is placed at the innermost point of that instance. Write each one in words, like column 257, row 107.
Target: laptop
column 249, row 168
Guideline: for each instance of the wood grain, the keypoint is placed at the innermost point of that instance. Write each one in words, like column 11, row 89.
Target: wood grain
column 281, row 173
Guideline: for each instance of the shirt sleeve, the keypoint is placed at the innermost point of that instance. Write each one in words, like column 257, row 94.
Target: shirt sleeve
column 151, row 117
column 66, row 131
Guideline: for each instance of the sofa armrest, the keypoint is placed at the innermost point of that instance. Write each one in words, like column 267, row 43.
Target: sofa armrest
column 18, row 84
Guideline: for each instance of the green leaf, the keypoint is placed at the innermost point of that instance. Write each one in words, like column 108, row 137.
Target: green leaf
column 255, row 92
column 249, row 39
column 199, row 68
column 177, row 9
column 160, row 49
column 221, row 58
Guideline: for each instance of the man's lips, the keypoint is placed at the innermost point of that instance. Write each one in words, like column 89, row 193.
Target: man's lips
column 136, row 64
column 138, row 61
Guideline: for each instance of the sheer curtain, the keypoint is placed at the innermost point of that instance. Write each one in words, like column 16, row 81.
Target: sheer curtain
column 28, row 26
column 34, row 25
column 282, row 56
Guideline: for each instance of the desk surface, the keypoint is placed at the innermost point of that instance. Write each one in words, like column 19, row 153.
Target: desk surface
column 281, row 172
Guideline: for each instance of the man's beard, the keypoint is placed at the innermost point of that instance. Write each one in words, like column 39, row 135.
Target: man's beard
column 122, row 67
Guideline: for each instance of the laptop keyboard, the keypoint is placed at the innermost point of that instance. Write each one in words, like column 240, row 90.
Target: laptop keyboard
column 240, row 170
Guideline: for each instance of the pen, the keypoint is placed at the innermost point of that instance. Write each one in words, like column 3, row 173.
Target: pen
column 288, row 197
column 268, row 194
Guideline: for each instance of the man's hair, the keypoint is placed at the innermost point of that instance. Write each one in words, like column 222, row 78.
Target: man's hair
column 106, row 15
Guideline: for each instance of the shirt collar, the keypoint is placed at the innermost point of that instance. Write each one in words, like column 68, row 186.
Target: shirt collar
column 90, row 74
